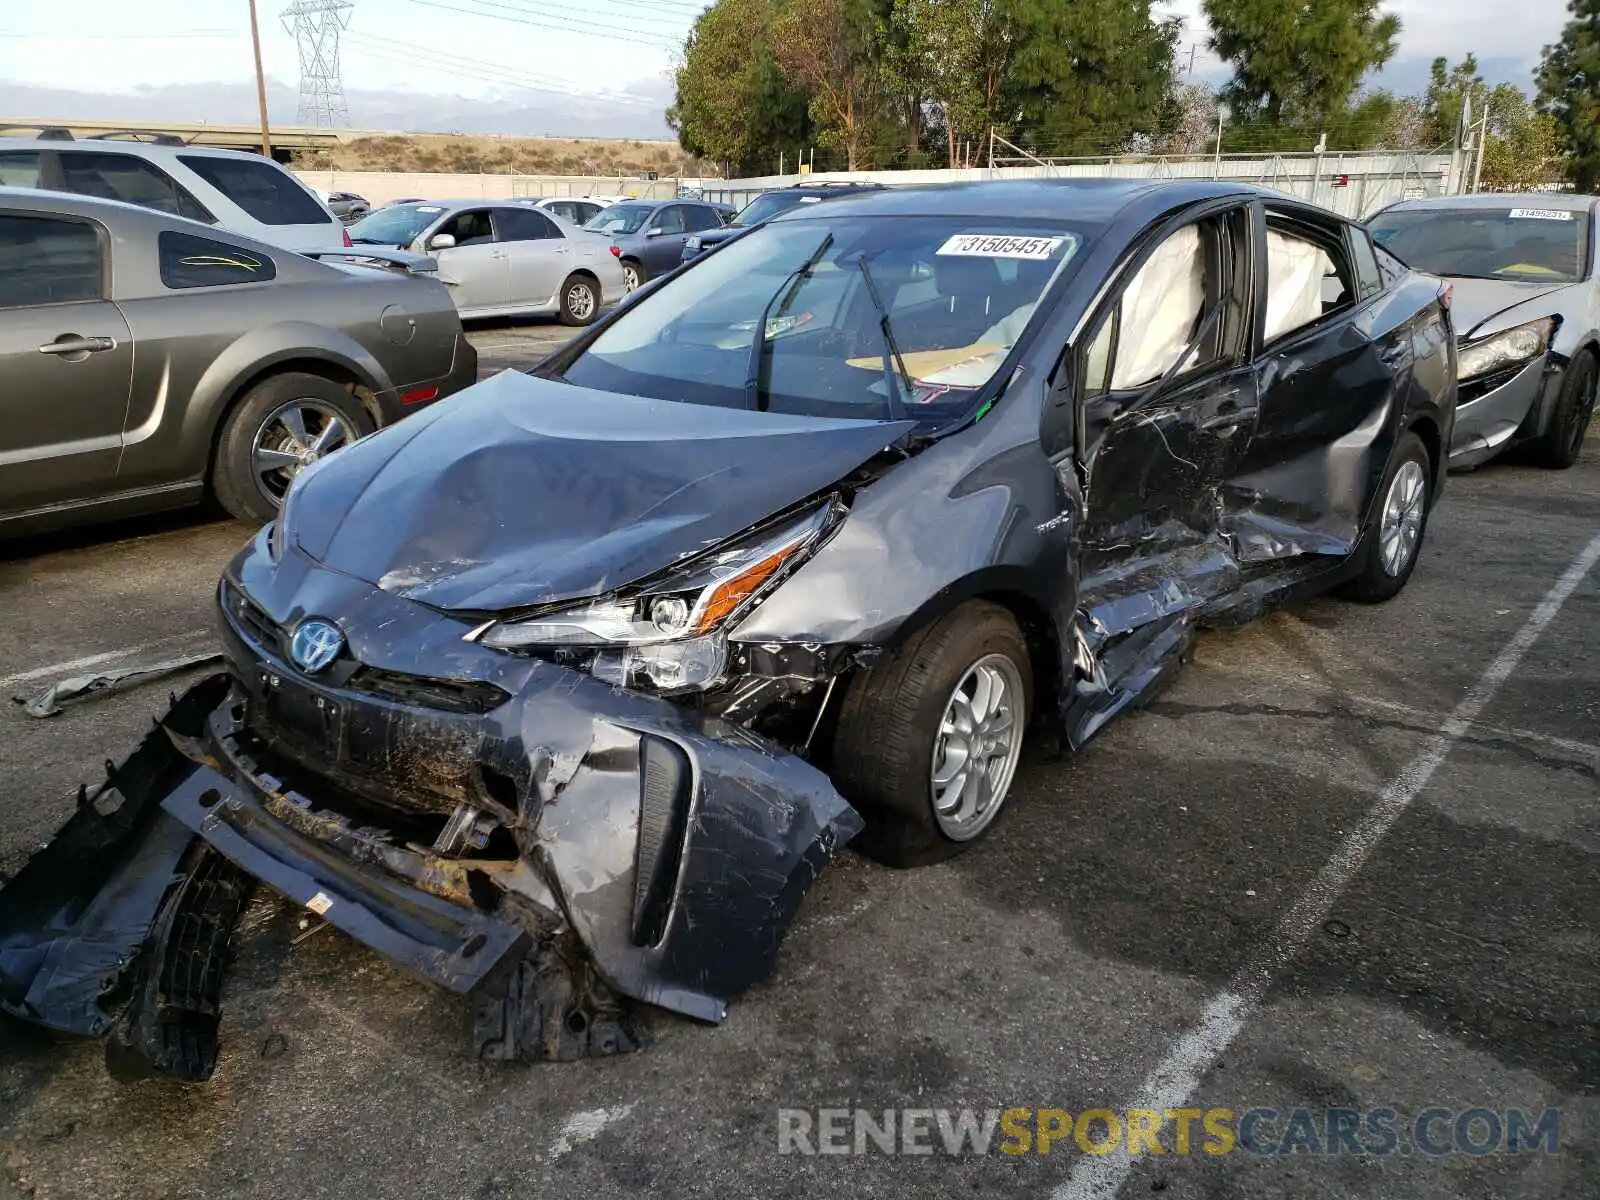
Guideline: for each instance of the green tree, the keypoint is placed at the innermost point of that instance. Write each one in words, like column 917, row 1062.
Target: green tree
column 1298, row 61
column 734, row 106
column 1569, row 90
column 960, row 52
column 1451, row 90
column 1088, row 76
column 1522, row 149
column 831, row 50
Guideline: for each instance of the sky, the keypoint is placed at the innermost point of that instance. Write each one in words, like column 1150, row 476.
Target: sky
column 611, row 50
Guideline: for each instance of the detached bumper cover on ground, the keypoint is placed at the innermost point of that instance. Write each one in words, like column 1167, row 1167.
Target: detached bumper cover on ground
column 629, row 847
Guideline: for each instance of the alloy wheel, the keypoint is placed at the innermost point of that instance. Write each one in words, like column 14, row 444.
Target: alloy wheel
column 580, row 301
column 975, row 754
column 630, row 276
column 1583, row 410
column 1401, row 529
column 295, row 435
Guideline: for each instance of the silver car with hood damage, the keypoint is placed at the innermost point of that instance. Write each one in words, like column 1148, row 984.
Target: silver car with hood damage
column 563, row 694
column 1526, row 303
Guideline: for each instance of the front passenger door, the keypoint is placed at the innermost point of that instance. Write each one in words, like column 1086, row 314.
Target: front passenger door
column 476, row 268
column 66, row 358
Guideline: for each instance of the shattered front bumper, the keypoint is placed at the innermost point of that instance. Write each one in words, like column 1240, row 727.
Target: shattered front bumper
column 526, row 835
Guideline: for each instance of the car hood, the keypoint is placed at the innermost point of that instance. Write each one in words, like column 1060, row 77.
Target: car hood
column 1475, row 301
column 523, row 491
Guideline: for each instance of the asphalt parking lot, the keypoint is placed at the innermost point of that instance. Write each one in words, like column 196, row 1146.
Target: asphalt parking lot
column 1348, row 860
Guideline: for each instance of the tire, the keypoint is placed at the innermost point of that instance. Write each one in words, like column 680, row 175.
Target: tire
column 889, row 734
column 632, row 276
column 580, row 300
column 1384, row 574
column 258, row 421
column 1559, row 445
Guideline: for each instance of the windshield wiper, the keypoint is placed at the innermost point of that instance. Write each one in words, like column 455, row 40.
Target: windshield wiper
column 894, row 397
column 754, row 394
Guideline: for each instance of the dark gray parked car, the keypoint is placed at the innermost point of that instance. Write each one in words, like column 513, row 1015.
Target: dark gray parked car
column 1527, row 305
column 647, row 236
column 148, row 360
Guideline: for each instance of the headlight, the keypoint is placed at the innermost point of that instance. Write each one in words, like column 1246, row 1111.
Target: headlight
column 669, row 632
column 1504, row 349
column 694, row 242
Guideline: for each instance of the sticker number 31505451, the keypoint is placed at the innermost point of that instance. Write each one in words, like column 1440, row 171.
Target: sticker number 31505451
column 999, row 245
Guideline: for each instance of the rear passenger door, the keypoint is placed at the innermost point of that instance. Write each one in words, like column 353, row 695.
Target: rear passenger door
column 66, row 359
column 477, row 268
column 536, row 252
column 1332, row 358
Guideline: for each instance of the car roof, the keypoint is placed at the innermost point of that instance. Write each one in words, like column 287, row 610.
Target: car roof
column 155, row 151
column 1091, row 201
column 1558, row 201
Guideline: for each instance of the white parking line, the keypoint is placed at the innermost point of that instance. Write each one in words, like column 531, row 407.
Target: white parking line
column 1177, row 1076
column 95, row 660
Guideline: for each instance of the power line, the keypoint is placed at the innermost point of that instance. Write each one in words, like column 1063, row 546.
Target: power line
column 611, row 34
column 394, row 50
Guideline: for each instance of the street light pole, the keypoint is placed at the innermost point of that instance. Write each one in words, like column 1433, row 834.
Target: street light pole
column 261, row 83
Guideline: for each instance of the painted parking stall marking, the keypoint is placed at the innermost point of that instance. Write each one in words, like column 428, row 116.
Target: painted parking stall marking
column 1178, row 1075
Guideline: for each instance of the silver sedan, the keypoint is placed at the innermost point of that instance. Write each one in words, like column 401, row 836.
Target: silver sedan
column 503, row 259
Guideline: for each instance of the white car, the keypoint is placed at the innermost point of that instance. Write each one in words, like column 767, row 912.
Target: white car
column 575, row 210
column 503, row 258
column 239, row 192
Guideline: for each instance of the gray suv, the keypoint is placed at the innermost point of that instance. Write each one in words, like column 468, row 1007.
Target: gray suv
column 149, row 361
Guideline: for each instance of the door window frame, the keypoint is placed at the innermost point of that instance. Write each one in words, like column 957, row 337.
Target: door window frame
column 655, row 220
column 103, row 242
column 535, row 214
column 1323, row 230
column 444, row 227
column 1233, row 252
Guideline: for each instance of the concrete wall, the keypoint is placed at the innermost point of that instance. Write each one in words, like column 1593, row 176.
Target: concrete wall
column 380, row 187
column 1355, row 185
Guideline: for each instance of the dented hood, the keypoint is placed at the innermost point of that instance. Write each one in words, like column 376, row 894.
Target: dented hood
column 1474, row 301
column 524, row 491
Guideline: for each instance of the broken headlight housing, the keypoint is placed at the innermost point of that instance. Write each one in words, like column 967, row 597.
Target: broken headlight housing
column 1506, row 349
column 669, row 634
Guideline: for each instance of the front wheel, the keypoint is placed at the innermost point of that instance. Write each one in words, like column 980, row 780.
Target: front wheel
column 1394, row 541
column 631, row 276
column 928, row 739
column 1559, row 445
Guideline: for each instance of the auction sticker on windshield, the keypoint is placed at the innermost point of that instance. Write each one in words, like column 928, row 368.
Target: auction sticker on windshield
column 1000, row 245
column 1540, row 214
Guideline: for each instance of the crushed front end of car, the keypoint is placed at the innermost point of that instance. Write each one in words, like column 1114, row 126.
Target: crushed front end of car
column 556, row 821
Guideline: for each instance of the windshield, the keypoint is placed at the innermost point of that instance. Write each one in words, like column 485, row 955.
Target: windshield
column 1531, row 244
column 397, row 225
column 958, row 292
column 620, row 218
column 767, row 206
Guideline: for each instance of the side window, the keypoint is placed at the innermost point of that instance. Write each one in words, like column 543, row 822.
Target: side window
column 44, row 260
column 20, row 168
column 524, row 225
column 1157, row 315
column 1308, row 277
column 1390, row 267
column 584, row 213
column 703, row 218
column 263, row 189
column 1368, row 279
column 197, row 262
column 131, row 180
column 470, row 228
column 670, row 219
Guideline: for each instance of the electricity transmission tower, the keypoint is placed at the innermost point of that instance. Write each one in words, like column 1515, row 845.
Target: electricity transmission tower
column 316, row 26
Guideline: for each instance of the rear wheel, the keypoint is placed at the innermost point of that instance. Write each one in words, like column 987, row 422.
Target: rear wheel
column 580, row 300
column 1558, row 447
column 928, row 739
column 280, row 427
column 632, row 275
column 1394, row 541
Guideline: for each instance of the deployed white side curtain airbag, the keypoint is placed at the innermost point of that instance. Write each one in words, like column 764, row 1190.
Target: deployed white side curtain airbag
column 1160, row 310
column 1295, row 269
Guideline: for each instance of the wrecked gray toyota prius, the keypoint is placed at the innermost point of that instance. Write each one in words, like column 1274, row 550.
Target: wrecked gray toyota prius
column 563, row 693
